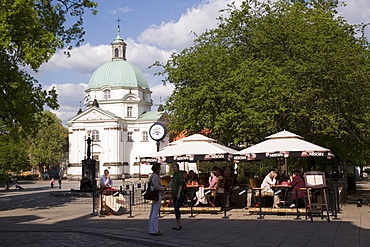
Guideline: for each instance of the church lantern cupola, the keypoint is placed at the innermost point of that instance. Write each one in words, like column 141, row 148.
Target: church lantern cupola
column 118, row 46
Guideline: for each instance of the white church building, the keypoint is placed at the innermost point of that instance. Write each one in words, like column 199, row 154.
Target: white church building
column 117, row 118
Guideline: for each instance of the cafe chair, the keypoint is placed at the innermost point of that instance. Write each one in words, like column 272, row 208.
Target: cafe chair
column 259, row 197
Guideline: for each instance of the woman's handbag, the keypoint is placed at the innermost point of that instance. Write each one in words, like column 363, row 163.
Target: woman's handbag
column 151, row 194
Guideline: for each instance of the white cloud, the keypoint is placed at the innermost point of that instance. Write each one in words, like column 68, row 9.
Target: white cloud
column 356, row 11
column 64, row 115
column 120, row 9
column 69, row 98
column 161, row 93
column 144, row 55
column 178, row 35
column 125, row 9
column 84, row 59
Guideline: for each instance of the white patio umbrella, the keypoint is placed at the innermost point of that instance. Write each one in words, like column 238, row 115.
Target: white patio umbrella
column 282, row 144
column 191, row 148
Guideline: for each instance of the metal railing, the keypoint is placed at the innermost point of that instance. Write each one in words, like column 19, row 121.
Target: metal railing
column 124, row 199
column 128, row 198
column 133, row 201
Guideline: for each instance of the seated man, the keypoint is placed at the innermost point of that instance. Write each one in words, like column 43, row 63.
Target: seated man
column 110, row 200
column 192, row 177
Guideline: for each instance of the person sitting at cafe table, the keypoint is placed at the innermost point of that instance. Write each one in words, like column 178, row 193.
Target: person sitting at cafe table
column 270, row 180
column 185, row 174
column 219, row 173
column 106, row 186
column 200, row 196
column 296, row 182
column 192, row 177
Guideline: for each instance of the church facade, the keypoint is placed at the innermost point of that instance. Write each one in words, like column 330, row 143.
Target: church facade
column 117, row 118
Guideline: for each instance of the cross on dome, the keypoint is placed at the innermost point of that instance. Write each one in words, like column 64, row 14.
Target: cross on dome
column 118, row 21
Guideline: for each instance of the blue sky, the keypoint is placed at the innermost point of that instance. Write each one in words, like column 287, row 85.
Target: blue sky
column 153, row 30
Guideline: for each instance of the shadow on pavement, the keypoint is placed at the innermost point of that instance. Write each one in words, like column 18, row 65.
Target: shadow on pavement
column 38, row 200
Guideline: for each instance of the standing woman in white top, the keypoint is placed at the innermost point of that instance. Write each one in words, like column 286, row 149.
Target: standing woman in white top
column 154, row 212
column 270, row 180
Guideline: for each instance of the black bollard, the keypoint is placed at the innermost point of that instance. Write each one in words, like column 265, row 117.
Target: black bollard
column 130, row 194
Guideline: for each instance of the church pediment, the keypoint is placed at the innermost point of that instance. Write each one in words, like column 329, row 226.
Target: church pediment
column 95, row 113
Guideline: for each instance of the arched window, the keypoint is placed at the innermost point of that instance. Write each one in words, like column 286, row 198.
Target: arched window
column 145, row 136
column 116, row 54
column 106, row 94
column 95, row 135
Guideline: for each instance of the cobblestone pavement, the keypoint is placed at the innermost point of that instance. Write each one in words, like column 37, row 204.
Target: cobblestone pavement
column 35, row 199
column 32, row 217
column 60, row 239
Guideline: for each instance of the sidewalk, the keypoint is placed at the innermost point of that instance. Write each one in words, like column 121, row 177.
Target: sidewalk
column 33, row 214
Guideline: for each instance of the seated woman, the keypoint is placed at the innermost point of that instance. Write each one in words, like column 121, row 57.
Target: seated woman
column 296, row 182
column 200, row 196
column 269, row 181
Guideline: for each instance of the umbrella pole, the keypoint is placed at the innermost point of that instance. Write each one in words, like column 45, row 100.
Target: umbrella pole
column 286, row 166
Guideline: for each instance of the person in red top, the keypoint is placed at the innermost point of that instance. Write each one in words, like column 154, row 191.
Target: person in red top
column 213, row 179
column 296, row 182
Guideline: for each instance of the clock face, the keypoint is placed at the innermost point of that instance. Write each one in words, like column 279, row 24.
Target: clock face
column 157, row 131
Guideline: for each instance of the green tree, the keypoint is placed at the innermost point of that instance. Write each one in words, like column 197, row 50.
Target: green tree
column 13, row 153
column 30, row 33
column 270, row 66
column 50, row 144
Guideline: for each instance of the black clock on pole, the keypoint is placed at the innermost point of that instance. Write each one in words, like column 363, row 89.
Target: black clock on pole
column 158, row 132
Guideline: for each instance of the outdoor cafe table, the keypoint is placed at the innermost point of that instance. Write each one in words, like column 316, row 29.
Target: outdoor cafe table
column 285, row 192
column 193, row 188
column 284, row 189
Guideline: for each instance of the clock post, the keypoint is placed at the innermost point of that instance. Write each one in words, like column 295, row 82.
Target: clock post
column 158, row 132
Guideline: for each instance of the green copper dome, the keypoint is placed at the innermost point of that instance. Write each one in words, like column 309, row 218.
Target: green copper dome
column 118, row 73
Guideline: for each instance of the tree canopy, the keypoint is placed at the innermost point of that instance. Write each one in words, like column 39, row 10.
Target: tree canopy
column 294, row 65
column 30, row 33
column 13, row 153
column 43, row 150
column 50, row 144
